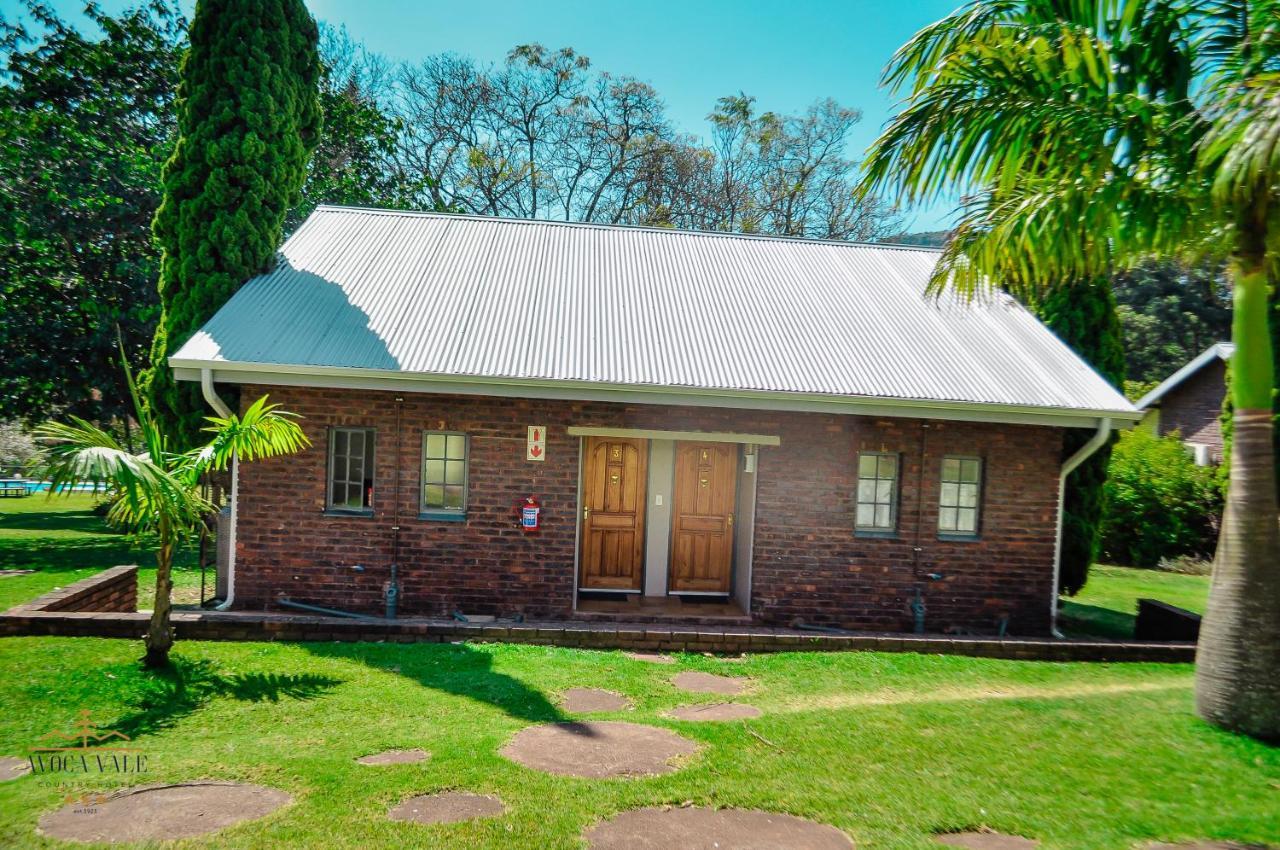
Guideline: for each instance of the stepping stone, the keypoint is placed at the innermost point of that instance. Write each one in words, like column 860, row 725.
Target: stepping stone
column 715, row 711
column 162, row 813
column 651, row 657
column 709, row 683
column 713, row 829
column 598, row 749
column 986, row 841
column 447, row 807
column 395, row 757
column 587, row 700
column 12, row 767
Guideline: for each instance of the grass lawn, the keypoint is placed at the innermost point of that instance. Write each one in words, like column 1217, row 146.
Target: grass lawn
column 62, row 539
column 1108, row 605
column 889, row 748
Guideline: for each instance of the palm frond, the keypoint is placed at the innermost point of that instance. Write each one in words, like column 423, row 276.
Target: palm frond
column 263, row 430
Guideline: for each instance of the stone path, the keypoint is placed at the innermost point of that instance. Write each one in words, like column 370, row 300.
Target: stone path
column 587, row 700
column 713, row 829
column 709, row 683
column 598, row 749
column 395, row 757
column 650, row 657
column 447, row 807
column 12, row 768
column 162, row 813
column 716, row 711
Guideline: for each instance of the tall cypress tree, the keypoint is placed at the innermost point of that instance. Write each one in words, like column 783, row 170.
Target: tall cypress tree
column 1083, row 315
column 248, row 119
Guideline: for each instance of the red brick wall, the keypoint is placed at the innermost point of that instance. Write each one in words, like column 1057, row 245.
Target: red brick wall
column 808, row 563
column 1193, row 407
column 112, row 590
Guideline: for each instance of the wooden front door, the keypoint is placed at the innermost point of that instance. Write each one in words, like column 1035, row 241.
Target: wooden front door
column 613, row 496
column 706, row 489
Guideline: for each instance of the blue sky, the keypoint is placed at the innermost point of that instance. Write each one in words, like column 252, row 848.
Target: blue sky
column 693, row 51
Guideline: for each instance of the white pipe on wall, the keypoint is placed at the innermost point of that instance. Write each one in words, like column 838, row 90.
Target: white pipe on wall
column 1085, row 452
column 220, row 407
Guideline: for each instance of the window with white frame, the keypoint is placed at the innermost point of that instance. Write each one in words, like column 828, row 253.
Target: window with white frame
column 877, row 507
column 444, row 472
column 351, row 470
column 960, row 494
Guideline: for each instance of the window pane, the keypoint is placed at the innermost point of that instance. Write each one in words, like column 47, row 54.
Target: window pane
column 969, row 471
column 950, row 469
column 433, row 496
column 457, row 447
column 884, row 492
column 888, row 466
column 968, row 495
column 452, row 496
column 453, row 471
column 433, row 472
column 867, row 466
column 866, row 490
column 966, row 520
column 882, row 516
column 949, row 496
column 947, row 519
column 435, row 445
column 866, row 515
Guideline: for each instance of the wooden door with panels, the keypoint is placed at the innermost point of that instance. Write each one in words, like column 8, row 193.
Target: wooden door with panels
column 706, row 490
column 614, row 489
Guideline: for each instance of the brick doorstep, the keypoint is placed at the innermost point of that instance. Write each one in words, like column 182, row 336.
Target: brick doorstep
column 243, row 625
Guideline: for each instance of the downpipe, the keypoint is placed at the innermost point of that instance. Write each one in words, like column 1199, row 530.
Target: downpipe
column 1085, row 452
column 219, row 406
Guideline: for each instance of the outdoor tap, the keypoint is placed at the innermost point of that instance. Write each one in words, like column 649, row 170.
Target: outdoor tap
column 917, row 611
column 391, row 590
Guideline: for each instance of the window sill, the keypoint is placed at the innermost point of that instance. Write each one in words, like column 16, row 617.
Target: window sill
column 364, row 514
column 875, row 535
column 960, row 538
column 443, row 516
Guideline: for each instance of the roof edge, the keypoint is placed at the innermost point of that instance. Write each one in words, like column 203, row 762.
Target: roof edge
column 644, row 228
column 378, row 379
column 1217, row 351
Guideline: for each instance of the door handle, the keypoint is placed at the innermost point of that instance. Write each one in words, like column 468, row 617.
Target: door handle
column 730, row 520
column 586, row 512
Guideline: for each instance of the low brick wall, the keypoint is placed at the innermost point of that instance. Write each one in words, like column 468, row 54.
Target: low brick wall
column 232, row 625
column 113, row 590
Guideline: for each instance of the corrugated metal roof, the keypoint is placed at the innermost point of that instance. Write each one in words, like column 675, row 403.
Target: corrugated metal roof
column 1217, row 351
column 435, row 294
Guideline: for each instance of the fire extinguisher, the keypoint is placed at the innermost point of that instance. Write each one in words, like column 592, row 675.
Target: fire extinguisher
column 530, row 514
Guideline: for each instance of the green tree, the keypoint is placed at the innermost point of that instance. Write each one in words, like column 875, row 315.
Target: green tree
column 1083, row 315
column 248, row 119
column 85, row 127
column 1094, row 134
column 157, row 490
column 1170, row 313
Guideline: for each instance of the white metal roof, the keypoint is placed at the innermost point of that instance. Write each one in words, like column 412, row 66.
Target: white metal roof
column 1217, row 351
column 549, row 308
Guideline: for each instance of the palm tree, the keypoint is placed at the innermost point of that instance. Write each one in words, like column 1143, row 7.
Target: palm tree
column 159, row 491
column 1085, row 136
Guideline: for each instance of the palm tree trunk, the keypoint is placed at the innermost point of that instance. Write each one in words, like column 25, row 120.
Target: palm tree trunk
column 1238, row 657
column 159, row 638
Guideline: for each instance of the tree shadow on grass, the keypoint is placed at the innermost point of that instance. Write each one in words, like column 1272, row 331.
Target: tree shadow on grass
column 454, row 669
column 1080, row 620
column 167, row 696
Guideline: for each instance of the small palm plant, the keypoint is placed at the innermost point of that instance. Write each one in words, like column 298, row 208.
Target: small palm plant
column 159, row 491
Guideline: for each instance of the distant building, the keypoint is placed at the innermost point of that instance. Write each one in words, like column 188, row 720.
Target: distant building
column 1190, row 402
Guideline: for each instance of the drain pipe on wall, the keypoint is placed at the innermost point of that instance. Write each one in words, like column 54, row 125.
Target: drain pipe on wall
column 1085, row 452
column 220, row 407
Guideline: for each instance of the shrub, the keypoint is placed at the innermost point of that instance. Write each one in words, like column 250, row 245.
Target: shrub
column 1159, row 503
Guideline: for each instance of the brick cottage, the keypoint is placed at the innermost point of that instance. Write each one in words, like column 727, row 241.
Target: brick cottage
column 711, row 427
column 1190, row 402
